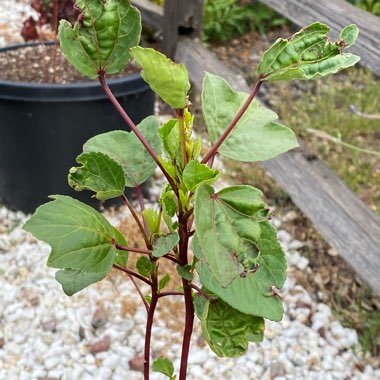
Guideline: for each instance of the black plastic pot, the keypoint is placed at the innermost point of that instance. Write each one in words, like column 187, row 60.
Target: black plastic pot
column 44, row 126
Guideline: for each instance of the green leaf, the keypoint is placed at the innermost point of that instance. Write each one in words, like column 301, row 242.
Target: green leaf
column 121, row 257
column 308, row 54
column 169, row 80
column 184, row 272
column 152, row 218
column 228, row 331
column 169, row 134
column 164, row 244
column 228, row 231
column 126, row 149
column 349, row 34
column 73, row 280
column 144, row 266
column 256, row 137
column 80, row 237
column 164, row 366
column 169, row 206
column 102, row 40
column 163, row 282
column 252, row 294
column 98, row 173
column 195, row 173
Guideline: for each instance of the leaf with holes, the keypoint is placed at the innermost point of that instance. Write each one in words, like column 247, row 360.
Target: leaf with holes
column 256, row 136
column 98, row 173
column 79, row 236
column 169, row 80
column 127, row 150
column 308, row 54
column 252, row 293
column 228, row 229
column 101, row 41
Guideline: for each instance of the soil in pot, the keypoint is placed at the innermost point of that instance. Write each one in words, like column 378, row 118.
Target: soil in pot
column 43, row 126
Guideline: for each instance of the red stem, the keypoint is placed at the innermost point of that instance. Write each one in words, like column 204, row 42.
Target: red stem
column 165, row 294
column 212, row 152
column 136, row 218
column 131, row 249
column 134, row 274
column 140, row 198
column 131, row 124
column 149, row 324
column 189, row 306
column 145, row 302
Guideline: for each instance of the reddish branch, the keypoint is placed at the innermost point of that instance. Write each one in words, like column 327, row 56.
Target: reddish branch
column 207, row 159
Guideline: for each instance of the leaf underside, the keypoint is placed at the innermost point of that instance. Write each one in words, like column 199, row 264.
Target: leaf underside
column 308, row 54
column 101, row 41
column 169, row 80
column 127, row 150
column 79, row 236
column 256, row 137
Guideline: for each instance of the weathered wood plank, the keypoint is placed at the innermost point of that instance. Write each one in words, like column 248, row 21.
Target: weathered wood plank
column 181, row 17
column 151, row 13
column 343, row 220
column 337, row 14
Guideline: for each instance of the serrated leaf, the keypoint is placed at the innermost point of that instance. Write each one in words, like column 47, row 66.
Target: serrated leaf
column 98, row 173
column 169, row 80
column 152, row 218
column 252, row 294
column 163, row 282
column 164, row 244
column 80, row 237
column 121, row 257
column 195, row 173
column 126, row 149
column 102, row 40
column 308, row 54
column 228, row 231
column 256, row 137
column 163, row 365
column 228, row 331
column 169, row 133
column 184, row 272
column 73, row 280
column 144, row 266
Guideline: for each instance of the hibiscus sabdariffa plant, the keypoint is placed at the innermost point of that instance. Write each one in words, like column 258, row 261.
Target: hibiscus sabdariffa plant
column 238, row 259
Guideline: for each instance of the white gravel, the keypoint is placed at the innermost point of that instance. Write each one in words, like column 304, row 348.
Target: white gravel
column 40, row 327
column 45, row 334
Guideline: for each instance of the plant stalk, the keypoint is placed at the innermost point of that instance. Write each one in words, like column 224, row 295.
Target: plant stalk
column 131, row 124
column 136, row 218
column 149, row 324
column 182, row 136
column 189, row 306
column 212, row 152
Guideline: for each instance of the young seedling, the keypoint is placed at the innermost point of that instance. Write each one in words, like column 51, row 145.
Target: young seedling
column 238, row 259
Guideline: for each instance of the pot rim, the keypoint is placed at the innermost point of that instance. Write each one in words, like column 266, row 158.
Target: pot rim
column 67, row 92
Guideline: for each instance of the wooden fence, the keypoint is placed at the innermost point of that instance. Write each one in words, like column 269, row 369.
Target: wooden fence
column 344, row 221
